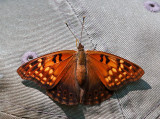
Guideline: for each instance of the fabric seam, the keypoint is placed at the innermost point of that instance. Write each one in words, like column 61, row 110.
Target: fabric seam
column 80, row 22
column 119, row 105
column 93, row 45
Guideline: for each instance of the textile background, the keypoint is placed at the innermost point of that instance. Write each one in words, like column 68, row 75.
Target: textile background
column 122, row 27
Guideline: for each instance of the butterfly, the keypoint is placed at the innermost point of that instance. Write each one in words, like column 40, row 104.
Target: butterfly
column 80, row 77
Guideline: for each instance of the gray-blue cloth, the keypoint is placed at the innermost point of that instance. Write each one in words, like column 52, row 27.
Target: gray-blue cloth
column 121, row 27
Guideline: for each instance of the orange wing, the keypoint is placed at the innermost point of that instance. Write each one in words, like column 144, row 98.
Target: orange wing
column 67, row 91
column 113, row 71
column 47, row 70
column 94, row 90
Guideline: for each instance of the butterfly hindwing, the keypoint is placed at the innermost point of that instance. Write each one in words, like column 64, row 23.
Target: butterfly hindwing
column 114, row 71
column 95, row 91
column 46, row 69
column 67, row 91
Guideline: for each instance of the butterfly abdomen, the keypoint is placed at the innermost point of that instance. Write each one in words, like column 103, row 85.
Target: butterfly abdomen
column 81, row 67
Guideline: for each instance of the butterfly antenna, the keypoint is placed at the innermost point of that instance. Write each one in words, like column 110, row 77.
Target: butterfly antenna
column 73, row 35
column 82, row 26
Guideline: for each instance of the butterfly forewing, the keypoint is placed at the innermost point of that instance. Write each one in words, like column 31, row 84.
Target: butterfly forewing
column 46, row 69
column 115, row 72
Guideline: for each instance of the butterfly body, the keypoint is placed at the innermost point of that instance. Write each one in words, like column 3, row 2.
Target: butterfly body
column 80, row 77
column 81, row 65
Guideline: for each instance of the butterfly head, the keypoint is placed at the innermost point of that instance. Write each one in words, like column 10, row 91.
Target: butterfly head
column 80, row 47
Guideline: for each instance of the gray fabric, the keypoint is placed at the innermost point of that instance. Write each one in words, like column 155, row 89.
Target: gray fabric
column 121, row 27
column 7, row 116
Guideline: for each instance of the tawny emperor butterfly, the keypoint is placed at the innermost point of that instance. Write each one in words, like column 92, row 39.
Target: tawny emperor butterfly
column 80, row 77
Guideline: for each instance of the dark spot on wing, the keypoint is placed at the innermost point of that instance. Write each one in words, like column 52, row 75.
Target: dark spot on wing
column 107, row 60
column 101, row 60
column 26, row 68
column 126, row 69
column 35, row 67
column 60, row 57
column 118, row 62
column 54, row 58
column 127, row 64
column 34, row 62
